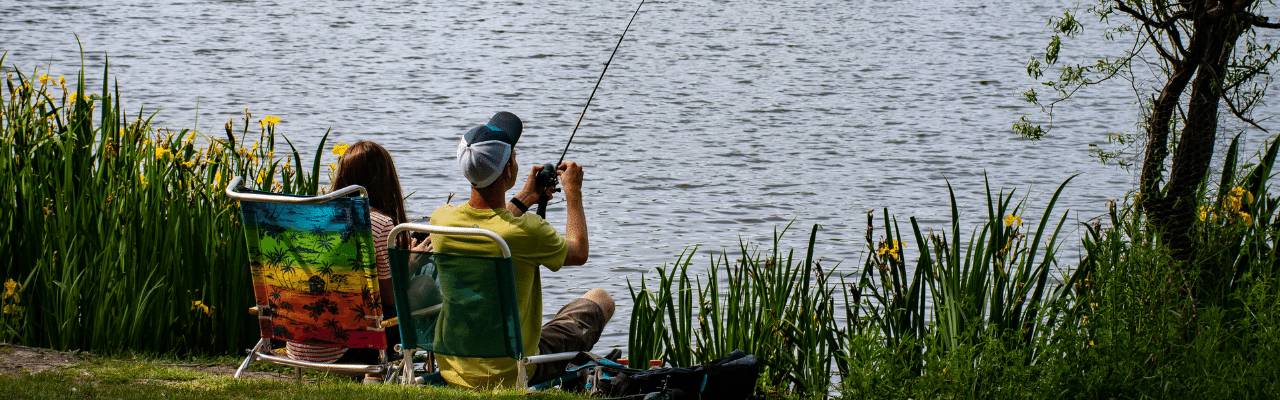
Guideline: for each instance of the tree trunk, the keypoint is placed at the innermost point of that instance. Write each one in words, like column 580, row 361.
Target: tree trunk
column 1176, row 210
column 1159, row 123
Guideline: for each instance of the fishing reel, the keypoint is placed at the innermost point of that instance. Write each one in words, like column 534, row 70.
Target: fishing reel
column 547, row 178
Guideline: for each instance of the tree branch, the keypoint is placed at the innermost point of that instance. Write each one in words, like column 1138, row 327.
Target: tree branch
column 1147, row 20
column 1261, row 21
column 1240, row 114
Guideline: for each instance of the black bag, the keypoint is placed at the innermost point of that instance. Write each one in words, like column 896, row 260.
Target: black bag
column 731, row 377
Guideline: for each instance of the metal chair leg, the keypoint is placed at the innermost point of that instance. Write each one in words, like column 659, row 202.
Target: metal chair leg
column 406, row 365
column 522, row 373
column 253, row 354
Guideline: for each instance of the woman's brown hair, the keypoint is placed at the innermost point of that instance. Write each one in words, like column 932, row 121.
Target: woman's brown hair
column 368, row 164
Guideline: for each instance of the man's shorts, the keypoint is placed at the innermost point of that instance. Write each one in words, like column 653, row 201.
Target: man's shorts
column 576, row 327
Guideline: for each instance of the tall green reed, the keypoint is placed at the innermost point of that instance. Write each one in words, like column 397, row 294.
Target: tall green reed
column 768, row 303
column 117, row 233
column 999, row 282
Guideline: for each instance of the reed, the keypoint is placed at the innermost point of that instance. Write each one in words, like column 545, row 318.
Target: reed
column 767, row 302
column 117, row 235
column 782, row 306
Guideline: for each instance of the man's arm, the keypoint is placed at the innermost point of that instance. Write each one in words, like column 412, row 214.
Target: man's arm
column 575, row 225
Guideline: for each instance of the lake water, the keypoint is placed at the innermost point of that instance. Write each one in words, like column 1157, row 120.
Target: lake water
column 718, row 120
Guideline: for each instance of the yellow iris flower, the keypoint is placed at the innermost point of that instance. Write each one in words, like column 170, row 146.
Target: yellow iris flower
column 197, row 305
column 890, row 249
column 1012, row 220
column 10, row 288
column 269, row 120
column 340, row 149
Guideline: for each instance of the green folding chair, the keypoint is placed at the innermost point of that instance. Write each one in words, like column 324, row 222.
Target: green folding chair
column 313, row 265
column 460, row 305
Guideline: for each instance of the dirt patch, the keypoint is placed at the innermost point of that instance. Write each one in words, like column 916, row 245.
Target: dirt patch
column 32, row 360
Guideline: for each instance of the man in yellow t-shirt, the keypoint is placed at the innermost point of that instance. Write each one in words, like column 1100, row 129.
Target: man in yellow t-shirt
column 487, row 157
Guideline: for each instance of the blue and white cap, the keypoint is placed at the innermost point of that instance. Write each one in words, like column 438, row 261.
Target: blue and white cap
column 484, row 150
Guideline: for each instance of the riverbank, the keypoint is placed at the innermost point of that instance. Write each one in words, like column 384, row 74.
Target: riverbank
column 36, row 373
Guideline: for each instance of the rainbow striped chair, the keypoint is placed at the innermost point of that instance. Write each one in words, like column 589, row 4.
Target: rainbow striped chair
column 312, row 261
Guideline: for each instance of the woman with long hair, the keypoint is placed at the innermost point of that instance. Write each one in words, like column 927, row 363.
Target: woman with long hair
column 369, row 165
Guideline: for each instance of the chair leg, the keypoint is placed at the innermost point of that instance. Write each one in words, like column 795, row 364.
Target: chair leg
column 298, row 371
column 406, row 365
column 522, row 373
column 253, row 354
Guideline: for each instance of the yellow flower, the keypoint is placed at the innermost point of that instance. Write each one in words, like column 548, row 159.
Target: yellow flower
column 10, row 309
column 217, row 180
column 1204, row 212
column 276, row 187
column 44, row 79
column 333, row 166
column 262, row 174
column 142, row 180
column 1092, row 344
column 269, row 120
column 10, row 288
column 1245, row 218
column 1012, row 220
column 891, row 249
column 189, row 163
column 1238, row 198
column 197, row 305
column 163, row 153
column 340, row 149
column 62, row 81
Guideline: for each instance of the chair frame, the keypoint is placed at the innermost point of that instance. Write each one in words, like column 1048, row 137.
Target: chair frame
column 522, row 376
column 262, row 350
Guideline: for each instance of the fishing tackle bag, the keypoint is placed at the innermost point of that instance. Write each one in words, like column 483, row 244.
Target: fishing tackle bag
column 731, row 377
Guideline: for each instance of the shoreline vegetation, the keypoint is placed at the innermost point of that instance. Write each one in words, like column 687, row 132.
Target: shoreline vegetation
column 119, row 241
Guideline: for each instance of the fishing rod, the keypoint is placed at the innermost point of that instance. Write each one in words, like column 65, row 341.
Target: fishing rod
column 548, row 178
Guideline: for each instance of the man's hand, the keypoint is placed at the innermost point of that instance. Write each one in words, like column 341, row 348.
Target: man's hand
column 530, row 193
column 570, row 178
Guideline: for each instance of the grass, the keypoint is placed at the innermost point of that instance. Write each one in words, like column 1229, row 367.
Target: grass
column 148, row 378
column 116, row 233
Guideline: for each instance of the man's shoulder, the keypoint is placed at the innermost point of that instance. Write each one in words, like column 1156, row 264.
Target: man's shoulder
column 533, row 224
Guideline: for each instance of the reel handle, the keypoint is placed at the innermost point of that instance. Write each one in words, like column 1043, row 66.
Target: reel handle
column 546, row 178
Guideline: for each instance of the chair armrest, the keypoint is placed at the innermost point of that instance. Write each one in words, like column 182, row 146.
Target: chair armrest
column 253, row 310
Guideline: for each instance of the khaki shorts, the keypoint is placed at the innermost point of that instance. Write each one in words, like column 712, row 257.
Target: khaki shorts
column 576, row 327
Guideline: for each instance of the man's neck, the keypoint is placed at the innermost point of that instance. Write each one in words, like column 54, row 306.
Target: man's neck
column 491, row 199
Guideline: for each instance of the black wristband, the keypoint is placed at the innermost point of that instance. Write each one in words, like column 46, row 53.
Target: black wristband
column 520, row 204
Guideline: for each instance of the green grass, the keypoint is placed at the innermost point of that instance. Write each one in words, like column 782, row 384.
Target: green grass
column 149, row 378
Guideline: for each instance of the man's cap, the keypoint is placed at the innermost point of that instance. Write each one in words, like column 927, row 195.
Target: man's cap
column 484, row 150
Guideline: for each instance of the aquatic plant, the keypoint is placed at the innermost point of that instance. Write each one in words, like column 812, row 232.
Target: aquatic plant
column 117, row 230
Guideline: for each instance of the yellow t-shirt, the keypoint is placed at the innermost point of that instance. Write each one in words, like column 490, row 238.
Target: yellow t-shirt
column 533, row 242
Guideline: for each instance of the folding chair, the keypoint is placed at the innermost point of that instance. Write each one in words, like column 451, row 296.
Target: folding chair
column 312, row 260
column 458, row 304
